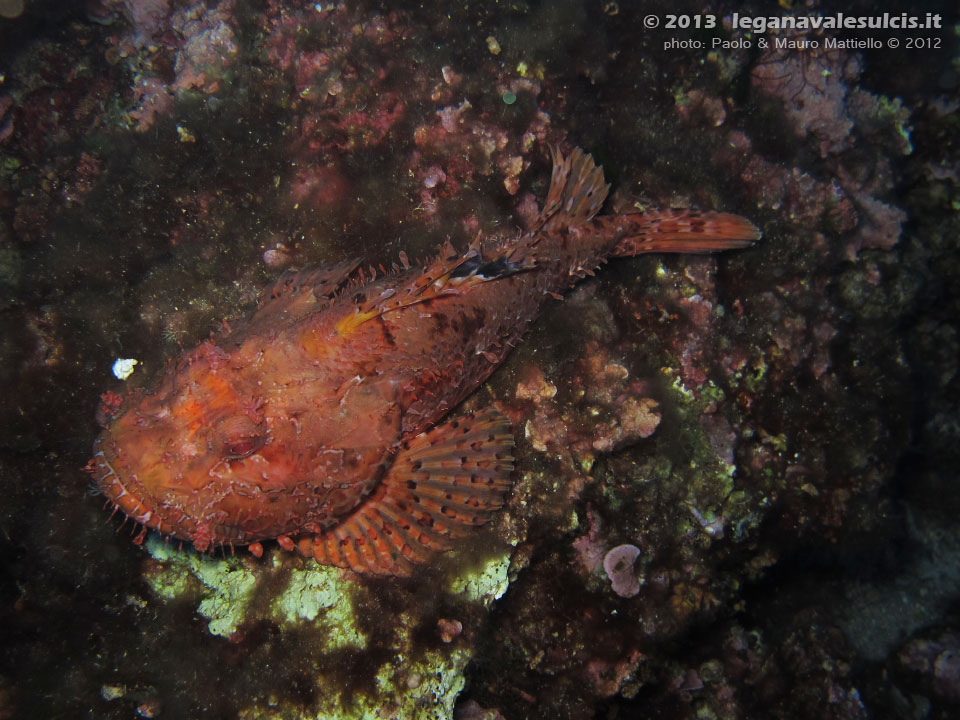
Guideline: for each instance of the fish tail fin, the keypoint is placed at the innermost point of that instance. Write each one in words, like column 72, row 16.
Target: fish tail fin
column 577, row 190
column 442, row 482
column 680, row 231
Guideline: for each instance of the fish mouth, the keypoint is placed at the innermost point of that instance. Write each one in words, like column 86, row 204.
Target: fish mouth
column 125, row 493
column 122, row 496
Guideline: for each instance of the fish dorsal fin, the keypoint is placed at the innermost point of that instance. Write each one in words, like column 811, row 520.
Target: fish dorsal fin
column 442, row 482
column 323, row 281
column 292, row 297
column 449, row 274
column 577, row 190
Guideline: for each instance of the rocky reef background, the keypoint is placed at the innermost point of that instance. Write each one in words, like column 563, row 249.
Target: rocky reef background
column 737, row 476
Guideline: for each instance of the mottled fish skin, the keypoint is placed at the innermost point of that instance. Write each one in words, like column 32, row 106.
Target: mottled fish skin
column 316, row 423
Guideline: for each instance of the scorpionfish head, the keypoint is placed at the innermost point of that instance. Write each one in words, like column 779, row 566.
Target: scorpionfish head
column 196, row 459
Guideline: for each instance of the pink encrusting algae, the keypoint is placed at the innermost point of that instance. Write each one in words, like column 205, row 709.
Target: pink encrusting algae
column 618, row 564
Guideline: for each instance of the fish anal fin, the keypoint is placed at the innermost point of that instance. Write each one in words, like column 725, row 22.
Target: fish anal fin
column 441, row 483
column 577, row 191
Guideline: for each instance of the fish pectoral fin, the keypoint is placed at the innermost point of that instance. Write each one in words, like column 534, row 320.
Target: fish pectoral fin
column 442, row 482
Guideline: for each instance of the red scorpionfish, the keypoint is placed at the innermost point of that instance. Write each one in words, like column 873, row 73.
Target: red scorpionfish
column 321, row 423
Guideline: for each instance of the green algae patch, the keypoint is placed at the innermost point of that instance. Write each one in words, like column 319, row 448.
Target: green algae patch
column 412, row 673
column 321, row 592
column 226, row 584
column 432, row 685
column 414, row 689
column 317, row 595
column 484, row 584
column 421, row 689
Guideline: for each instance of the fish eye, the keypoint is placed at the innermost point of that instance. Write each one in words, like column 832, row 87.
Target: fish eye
column 240, row 438
column 241, row 448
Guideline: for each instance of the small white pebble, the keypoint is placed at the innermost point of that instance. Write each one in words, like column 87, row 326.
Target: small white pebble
column 112, row 692
column 123, row 367
column 276, row 257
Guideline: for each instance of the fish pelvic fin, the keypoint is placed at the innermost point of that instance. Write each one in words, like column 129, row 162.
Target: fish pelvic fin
column 679, row 231
column 442, row 482
column 577, row 191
